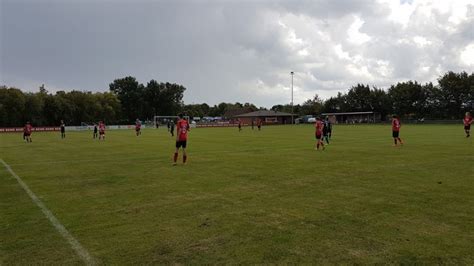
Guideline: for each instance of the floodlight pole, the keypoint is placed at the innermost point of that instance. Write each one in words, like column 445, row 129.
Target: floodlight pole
column 292, row 74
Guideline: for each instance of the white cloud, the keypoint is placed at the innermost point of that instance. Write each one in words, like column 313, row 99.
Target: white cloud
column 354, row 34
column 399, row 12
column 467, row 55
column 341, row 53
column 421, row 41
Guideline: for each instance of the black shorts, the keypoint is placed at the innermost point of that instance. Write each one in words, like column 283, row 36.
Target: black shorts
column 181, row 143
column 395, row 134
column 468, row 127
column 63, row 130
column 318, row 136
column 137, row 129
column 26, row 134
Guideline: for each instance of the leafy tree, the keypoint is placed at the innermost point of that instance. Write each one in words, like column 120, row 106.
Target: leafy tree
column 358, row 98
column 151, row 96
column 130, row 94
column 108, row 107
column 52, row 110
column 34, row 105
column 12, row 107
column 250, row 106
column 312, row 106
column 409, row 99
column 336, row 104
column 171, row 98
column 457, row 90
column 380, row 102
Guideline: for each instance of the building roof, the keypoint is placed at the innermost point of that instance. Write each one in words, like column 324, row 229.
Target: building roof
column 350, row 113
column 237, row 111
column 264, row 113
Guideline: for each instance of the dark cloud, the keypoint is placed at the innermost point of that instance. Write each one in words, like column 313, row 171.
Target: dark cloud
column 231, row 50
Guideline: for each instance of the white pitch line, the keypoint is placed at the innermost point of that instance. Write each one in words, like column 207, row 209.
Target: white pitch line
column 78, row 248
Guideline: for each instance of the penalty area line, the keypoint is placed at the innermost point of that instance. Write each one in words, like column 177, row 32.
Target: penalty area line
column 78, row 248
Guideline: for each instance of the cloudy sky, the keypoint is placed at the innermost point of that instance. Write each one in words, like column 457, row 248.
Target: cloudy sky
column 234, row 50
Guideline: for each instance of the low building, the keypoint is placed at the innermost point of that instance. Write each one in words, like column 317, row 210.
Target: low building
column 353, row 117
column 267, row 117
column 230, row 114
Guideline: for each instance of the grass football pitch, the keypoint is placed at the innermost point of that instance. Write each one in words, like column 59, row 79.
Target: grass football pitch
column 243, row 197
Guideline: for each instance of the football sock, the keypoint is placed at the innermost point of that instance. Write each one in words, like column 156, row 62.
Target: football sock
column 184, row 158
column 175, row 158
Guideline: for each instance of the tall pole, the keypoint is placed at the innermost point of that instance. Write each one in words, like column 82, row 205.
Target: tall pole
column 292, row 74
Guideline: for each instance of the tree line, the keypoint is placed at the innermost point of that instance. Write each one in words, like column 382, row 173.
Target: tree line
column 450, row 99
column 127, row 99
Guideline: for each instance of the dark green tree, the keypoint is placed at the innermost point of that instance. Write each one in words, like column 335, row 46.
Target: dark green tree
column 130, row 94
column 12, row 107
column 408, row 99
column 457, row 90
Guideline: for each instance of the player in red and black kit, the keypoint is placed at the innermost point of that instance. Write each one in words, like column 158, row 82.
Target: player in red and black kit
column 319, row 125
column 467, row 124
column 101, row 130
column 396, row 130
column 259, row 124
column 138, row 127
column 27, row 130
column 182, row 129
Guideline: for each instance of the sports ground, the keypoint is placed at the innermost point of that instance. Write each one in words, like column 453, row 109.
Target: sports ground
column 243, row 197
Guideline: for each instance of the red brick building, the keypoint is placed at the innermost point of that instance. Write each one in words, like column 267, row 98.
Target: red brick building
column 267, row 117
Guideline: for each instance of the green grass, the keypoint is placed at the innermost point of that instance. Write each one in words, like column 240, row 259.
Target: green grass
column 248, row 197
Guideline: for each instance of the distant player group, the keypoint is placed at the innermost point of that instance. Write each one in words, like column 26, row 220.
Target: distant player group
column 259, row 124
column 323, row 132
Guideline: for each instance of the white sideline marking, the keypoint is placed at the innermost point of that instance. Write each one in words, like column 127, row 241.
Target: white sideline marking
column 78, row 248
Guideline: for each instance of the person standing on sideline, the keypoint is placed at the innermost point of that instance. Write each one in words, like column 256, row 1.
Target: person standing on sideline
column 240, row 124
column 252, row 123
column 396, row 131
column 138, row 127
column 319, row 125
column 259, row 124
column 63, row 130
column 171, row 129
column 467, row 124
column 182, row 128
column 27, row 130
column 94, row 136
